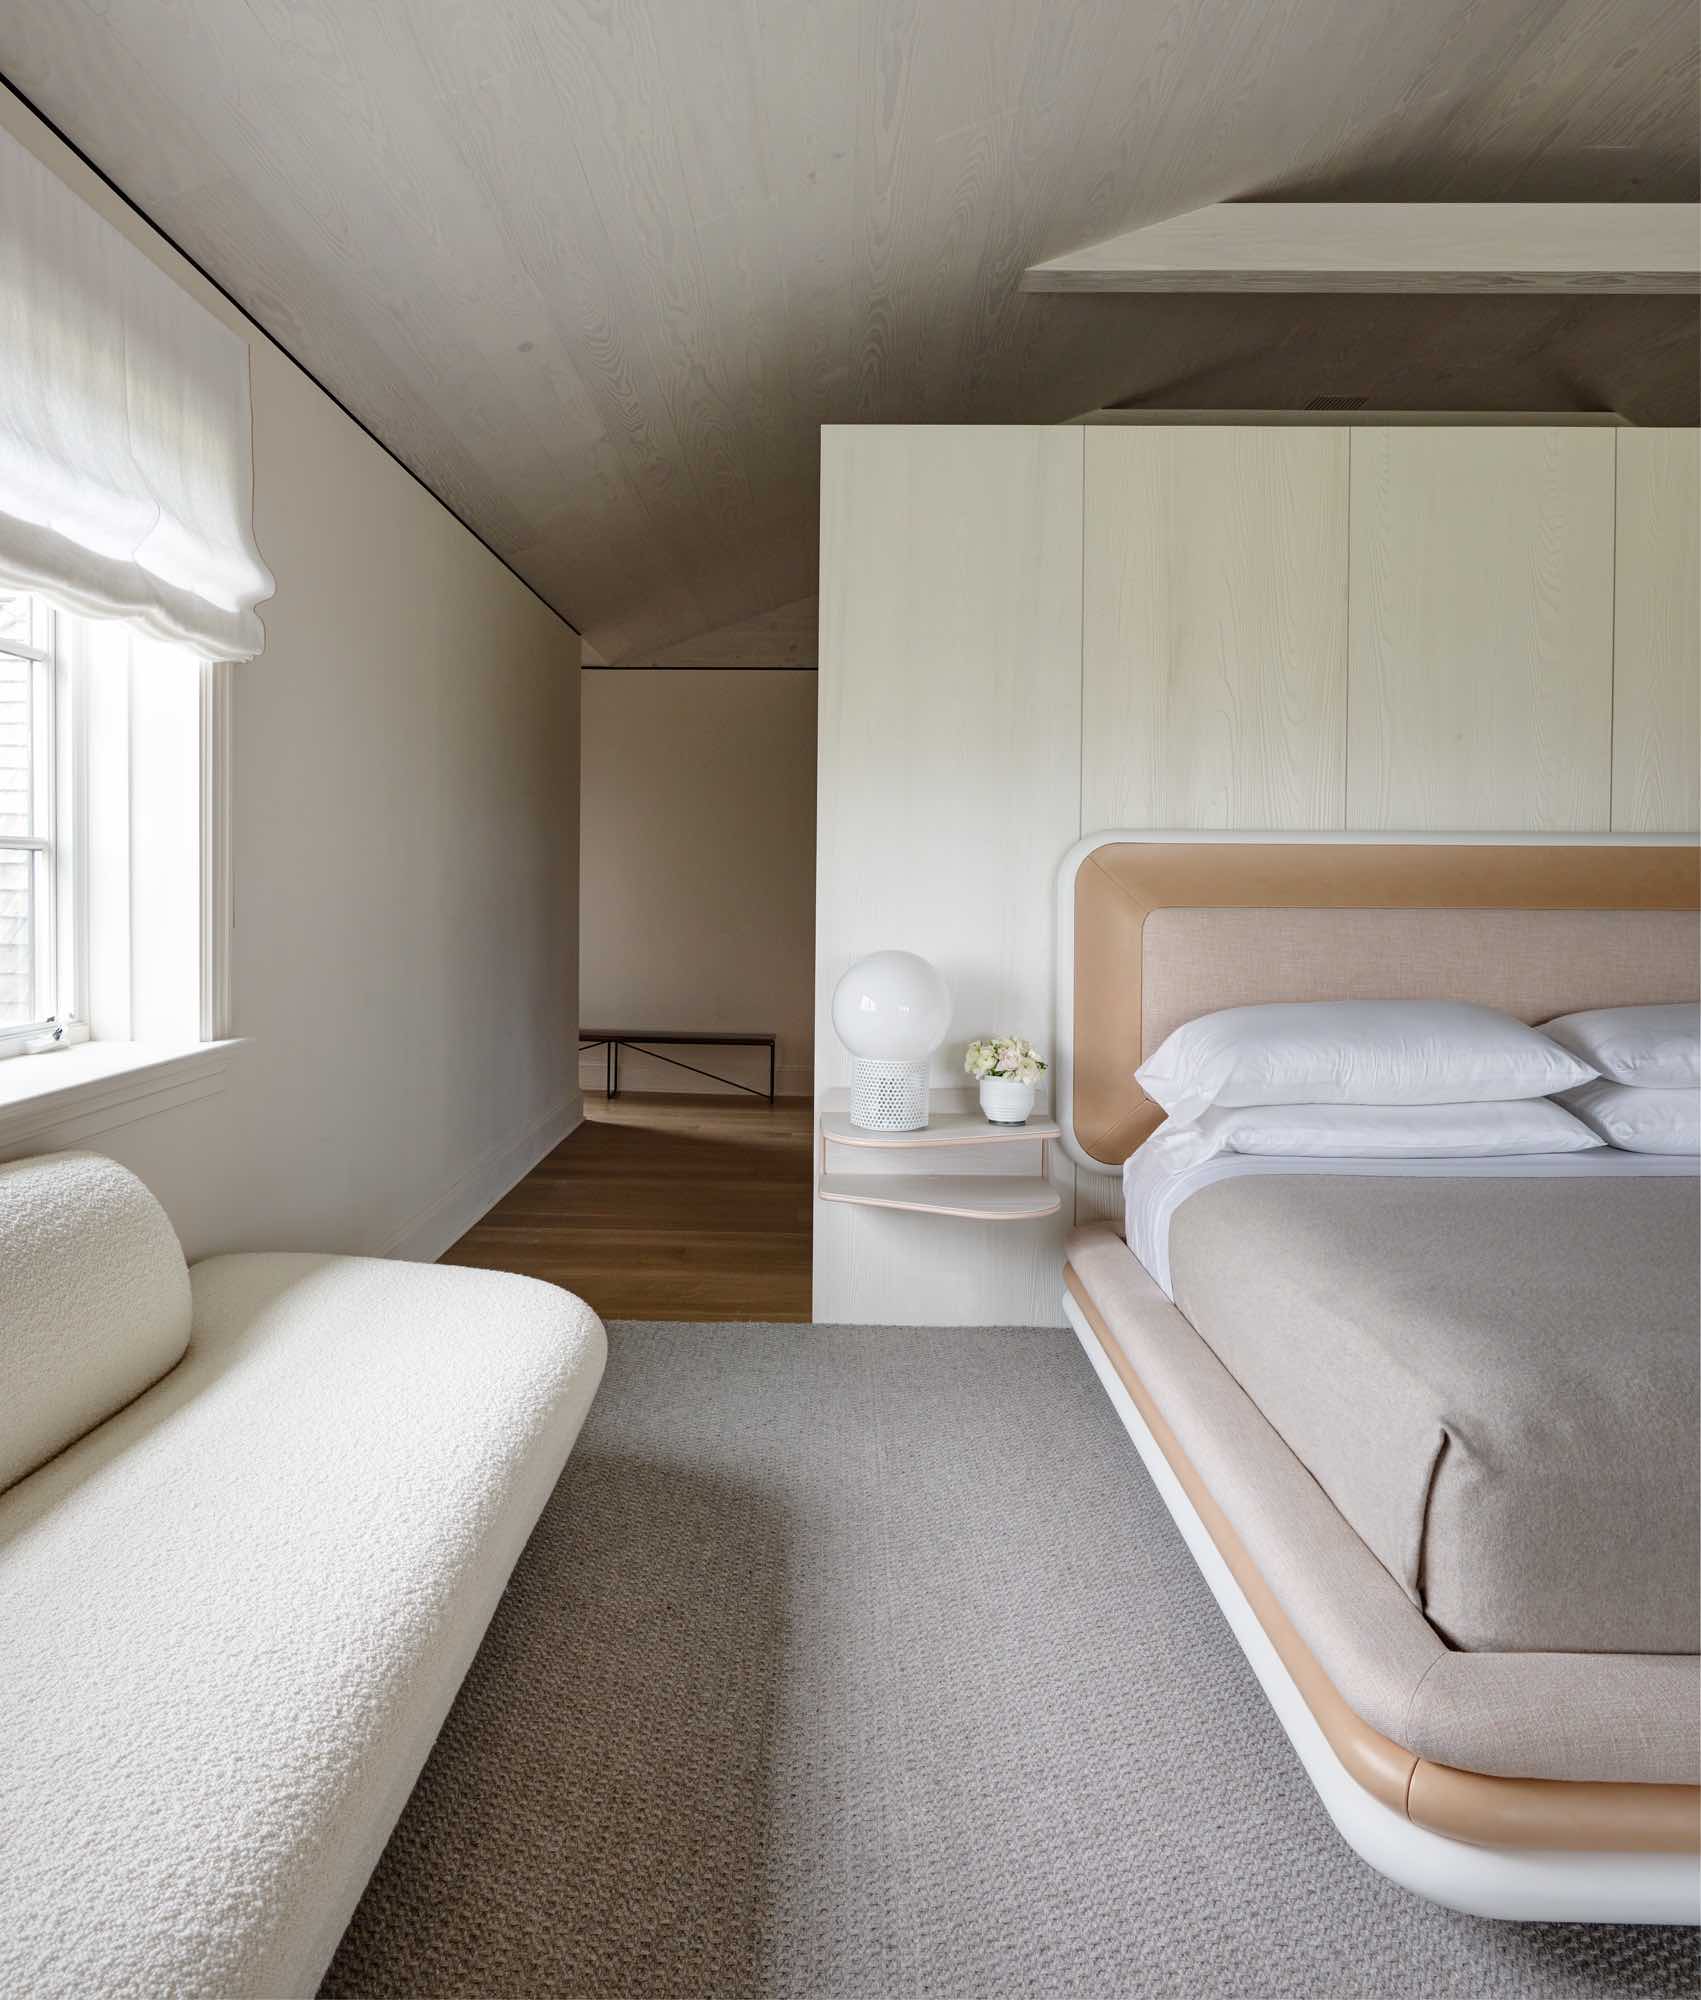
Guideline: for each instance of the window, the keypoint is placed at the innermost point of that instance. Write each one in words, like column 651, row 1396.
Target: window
column 107, row 822
column 38, row 910
column 127, row 468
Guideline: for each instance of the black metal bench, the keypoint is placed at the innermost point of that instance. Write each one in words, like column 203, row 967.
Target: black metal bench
column 616, row 1039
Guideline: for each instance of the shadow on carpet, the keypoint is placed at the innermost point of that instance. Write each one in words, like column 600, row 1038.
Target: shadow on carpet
column 864, row 1662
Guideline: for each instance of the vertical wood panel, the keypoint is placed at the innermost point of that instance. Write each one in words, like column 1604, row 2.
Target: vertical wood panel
column 1480, row 632
column 1098, row 1198
column 1214, row 623
column 1656, row 726
column 949, row 791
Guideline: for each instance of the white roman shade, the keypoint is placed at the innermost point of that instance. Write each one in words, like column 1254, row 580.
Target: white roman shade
column 126, row 474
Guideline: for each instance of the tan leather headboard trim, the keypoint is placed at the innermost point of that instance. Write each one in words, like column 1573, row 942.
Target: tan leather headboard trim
column 1463, row 1805
column 1119, row 884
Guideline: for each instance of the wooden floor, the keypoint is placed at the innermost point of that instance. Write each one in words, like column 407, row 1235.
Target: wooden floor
column 665, row 1208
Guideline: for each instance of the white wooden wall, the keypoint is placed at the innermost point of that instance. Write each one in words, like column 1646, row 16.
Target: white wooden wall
column 1214, row 628
column 1480, row 656
column 949, row 786
column 1656, row 734
column 1031, row 633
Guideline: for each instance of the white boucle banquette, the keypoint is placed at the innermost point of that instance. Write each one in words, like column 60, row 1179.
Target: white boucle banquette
column 256, row 1518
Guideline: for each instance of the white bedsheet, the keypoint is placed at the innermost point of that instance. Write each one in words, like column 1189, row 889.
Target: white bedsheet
column 1152, row 1192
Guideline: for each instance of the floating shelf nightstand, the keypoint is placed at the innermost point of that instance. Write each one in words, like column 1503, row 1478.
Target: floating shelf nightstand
column 981, row 1197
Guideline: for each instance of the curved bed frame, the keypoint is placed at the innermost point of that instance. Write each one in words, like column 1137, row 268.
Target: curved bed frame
column 1154, row 928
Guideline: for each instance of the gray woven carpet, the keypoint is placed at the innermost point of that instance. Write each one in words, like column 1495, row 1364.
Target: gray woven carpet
column 864, row 1663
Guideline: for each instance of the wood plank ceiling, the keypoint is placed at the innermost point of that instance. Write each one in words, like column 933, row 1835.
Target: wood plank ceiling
column 599, row 269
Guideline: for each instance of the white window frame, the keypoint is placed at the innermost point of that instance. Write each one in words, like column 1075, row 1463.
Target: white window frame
column 59, row 919
column 218, row 882
column 136, row 1031
column 63, row 716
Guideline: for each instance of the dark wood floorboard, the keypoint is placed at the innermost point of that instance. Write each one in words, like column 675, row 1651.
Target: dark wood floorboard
column 663, row 1207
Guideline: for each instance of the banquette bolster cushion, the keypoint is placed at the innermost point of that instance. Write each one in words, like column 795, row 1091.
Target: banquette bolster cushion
column 234, row 1613
column 94, row 1301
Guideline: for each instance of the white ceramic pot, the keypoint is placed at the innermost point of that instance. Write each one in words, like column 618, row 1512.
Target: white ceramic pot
column 1004, row 1101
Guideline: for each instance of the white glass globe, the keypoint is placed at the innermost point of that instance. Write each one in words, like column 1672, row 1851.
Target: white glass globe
column 892, row 1007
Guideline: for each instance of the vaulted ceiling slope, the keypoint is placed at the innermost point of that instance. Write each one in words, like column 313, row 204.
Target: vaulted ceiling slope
column 599, row 269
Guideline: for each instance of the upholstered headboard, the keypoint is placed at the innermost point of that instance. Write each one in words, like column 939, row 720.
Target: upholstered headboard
column 1156, row 928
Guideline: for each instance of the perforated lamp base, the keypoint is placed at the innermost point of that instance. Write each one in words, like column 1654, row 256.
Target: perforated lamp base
column 888, row 1096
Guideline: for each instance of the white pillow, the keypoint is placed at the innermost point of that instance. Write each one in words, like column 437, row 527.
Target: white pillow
column 1637, row 1120
column 1656, row 1047
column 1374, row 1132
column 1355, row 1052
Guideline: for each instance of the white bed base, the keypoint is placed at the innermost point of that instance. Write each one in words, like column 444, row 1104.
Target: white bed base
column 1527, row 1885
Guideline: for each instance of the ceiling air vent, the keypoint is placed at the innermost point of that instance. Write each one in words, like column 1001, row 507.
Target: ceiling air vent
column 1337, row 402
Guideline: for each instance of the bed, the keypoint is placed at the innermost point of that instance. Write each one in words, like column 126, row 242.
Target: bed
column 1428, row 1427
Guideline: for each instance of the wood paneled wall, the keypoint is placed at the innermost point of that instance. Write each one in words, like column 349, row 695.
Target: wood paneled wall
column 1480, row 655
column 1027, row 634
column 1214, row 628
column 1656, row 734
column 949, row 786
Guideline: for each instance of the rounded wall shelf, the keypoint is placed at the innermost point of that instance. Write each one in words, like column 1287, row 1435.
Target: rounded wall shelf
column 977, row 1197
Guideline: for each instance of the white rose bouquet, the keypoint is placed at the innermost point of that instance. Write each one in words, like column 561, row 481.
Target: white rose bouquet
column 1006, row 1056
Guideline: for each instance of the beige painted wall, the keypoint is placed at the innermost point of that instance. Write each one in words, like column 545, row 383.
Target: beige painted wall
column 404, row 839
column 698, row 882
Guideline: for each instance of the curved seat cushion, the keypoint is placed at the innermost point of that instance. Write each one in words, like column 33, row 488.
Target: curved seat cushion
column 94, row 1301
column 233, row 1618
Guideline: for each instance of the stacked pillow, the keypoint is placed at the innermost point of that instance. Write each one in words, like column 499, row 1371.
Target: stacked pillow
column 1368, row 1079
column 1644, row 1098
column 1415, row 1079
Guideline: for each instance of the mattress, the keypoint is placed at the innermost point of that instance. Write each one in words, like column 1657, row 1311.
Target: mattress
column 1493, row 1377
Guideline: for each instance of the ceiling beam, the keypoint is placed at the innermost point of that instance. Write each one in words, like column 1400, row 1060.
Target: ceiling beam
column 1394, row 246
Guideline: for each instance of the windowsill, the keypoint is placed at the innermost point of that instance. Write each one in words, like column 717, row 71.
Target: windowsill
column 65, row 1096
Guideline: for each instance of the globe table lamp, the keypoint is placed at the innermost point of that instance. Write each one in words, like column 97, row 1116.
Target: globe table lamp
column 891, row 1010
